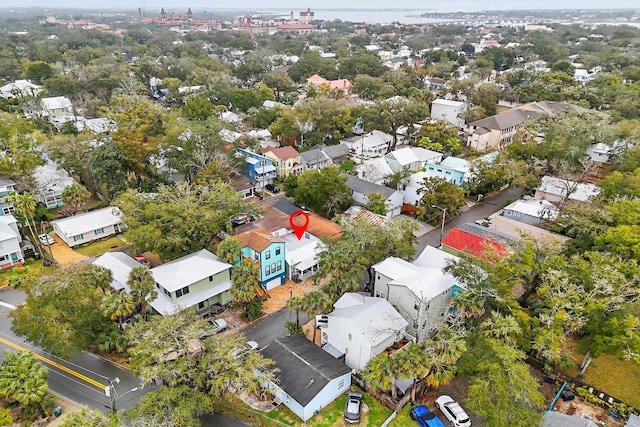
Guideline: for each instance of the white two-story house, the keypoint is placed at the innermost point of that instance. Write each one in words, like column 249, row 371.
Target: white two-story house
column 361, row 327
column 421, row 291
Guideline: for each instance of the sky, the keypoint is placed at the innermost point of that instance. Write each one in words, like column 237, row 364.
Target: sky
column 450, row 5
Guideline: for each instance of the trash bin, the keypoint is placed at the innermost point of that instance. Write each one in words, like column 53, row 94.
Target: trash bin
column 57, row 411
column 36, row 255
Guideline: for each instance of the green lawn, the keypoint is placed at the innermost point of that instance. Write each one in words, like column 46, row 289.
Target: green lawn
column 620, row 378
column 32, row 267
column 402, row 418
column 100, row 247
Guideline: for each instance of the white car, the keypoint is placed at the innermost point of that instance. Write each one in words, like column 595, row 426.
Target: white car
column 45, row 239
column 250, row 345
column 453, row 412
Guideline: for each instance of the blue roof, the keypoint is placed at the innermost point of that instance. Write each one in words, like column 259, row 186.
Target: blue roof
column 454, row 162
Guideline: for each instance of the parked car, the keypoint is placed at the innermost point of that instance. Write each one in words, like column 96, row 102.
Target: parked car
column 485, row 222
column 453, row 412
column 250, row 345
column 273, row 188
column 425, row 417
column 219, row 325
column 142, row 260
column 353, row 408
column 45, row 239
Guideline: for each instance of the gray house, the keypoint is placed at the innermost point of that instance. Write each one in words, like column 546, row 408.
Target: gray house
column 309, row 378
column 363, row 189
column 315, row 158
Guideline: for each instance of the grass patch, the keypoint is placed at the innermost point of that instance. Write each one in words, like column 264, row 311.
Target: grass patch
column 402, row 418
column 32, row 267
column 100, row 247
column 610, row 374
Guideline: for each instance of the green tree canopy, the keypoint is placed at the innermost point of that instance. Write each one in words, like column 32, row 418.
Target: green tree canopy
column 323, row 191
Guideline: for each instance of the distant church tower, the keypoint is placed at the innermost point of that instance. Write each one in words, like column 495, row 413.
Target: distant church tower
column 189, row 15
column 163, row 14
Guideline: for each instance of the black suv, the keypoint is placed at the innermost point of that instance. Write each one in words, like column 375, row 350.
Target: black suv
column 273, row 188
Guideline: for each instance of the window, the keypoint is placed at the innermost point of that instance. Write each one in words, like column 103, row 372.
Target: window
column 416, row 305
column 273, row 267
column 182, row 291
column 279, row 266
column 341, row 383
column 267, row 255
column 278, row 251
column 350, row 337
column 211, row 278
column 78, row 237
column 201, row 305
column 7, row 210
column 267, row 270
column 98, row 231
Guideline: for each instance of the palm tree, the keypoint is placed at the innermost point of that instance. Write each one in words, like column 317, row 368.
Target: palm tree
column 25, row 204
column 101, row 277
column 75, row 195
column 380, row 373
column 315, row 303
column 245, row 278
column 296, row 304
column 504, row 328
column 415, row 363
column 24, row 380
column 117, row 305
column 229, row 250
column 143, row 287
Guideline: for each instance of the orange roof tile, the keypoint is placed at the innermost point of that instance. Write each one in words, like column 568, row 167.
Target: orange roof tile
column 257, row 239
column 467, row 242
column 283, row 153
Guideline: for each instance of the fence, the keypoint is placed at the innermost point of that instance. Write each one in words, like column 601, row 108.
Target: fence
column 388, row 420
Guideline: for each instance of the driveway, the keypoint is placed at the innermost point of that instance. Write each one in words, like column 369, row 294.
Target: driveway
column 63, row 254
column 271, row 327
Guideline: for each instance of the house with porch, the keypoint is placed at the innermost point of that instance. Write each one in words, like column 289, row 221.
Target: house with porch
column 19, row 89
column 286, row 159
column 243, row 186
column 363, row 189
column 360, row 327
column 50, row 184
column 259, row 169
column 87, row 227
column 372, row 144
column 6, row 186
column 315, row 158
column 10, row 239
column 308, row 377
column 531, row 211
column 57, row 109
column 420, row 291
column 301, row 255
column 267, row 251
column 197, row 280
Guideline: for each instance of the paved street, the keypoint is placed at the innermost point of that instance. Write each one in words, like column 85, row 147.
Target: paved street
column 269, row 328
column 82, row 379
column 478, row 211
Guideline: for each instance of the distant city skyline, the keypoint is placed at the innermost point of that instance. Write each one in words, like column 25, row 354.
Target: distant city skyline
column 451, row 5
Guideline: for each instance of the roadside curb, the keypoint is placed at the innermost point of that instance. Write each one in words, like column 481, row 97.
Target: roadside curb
column 104, row 359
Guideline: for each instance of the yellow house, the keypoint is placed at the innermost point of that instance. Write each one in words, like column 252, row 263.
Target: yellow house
column 286, row 160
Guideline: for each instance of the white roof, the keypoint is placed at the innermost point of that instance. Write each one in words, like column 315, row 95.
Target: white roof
column 56, row 102
column 21, row 86
column 434, row 258
column 374, row 170
column 99, row 125
column 558, row 186
column 165, row 306
column 534, row 208
column 424, row 282
column 448, row 103
column 50, row 179
column 231, row 117
column 372, row 139
column 374, row 317
column 259, row 133
column 8, row 219
column 425, row 155
column 404, row 156
column 302, row 253
column 90, row 221
column 272, row 104
column 6, row 232
column 228, row 135
column 187, row 270
column 120, row 265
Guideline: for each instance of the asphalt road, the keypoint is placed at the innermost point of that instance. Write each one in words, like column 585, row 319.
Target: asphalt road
column 81, row 379
column 478, row 211
column 266, row 330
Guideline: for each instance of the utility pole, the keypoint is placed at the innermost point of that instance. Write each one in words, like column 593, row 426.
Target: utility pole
column 444, row 214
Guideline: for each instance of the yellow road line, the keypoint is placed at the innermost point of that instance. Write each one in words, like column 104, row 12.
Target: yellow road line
column 56, row 365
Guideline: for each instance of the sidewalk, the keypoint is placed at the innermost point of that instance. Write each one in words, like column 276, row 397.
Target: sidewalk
column 68, row 407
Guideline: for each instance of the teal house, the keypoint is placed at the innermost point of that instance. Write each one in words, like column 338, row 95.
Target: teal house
column 268, row 252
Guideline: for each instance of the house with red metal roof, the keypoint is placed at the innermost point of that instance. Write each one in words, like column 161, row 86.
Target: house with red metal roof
column 459, row 242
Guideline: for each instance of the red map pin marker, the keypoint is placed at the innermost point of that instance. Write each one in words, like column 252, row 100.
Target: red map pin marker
column 298, row 228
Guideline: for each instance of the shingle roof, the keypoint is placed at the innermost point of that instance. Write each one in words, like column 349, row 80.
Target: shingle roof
column 283, row 153
column 506, row 119
column 257, row 239
column 334, row 151
column 465, row 241
column 305, row 368
column 313, row 156
column 489, row 233
column 365, row 187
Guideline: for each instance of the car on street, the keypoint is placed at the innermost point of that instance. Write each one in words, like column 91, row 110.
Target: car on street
column 273, row 188
column 250, row 345
column 425, row 417
column 142, row 260
column 353, row 408
column 45, row 239
column 485, row 222
column 452, row 411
